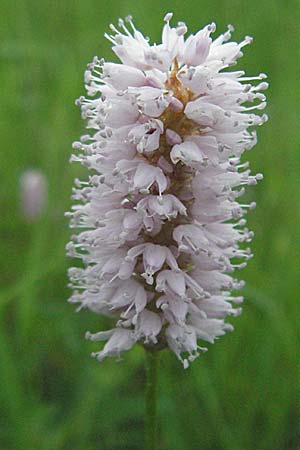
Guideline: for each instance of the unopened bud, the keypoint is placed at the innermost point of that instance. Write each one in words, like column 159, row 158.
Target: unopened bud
column 33, row 194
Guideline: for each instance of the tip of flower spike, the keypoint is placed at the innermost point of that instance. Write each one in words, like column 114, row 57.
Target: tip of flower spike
column 88, row 335
column 228, row 327
column 237, row 312
column 263, row 86
column 113, row 28
column 203, row 349
column 168, row 17
column 237, row 300
column 248, row 39
column 185, row 364
column 77, row 145
column 181, row 29
column 78, row 101
column 212, row 27
column 262, row 105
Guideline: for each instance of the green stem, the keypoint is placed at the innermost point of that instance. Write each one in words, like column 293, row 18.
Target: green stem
column 151, row 399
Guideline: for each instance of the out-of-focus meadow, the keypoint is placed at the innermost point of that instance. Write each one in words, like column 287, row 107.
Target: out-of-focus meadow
column 244, row 394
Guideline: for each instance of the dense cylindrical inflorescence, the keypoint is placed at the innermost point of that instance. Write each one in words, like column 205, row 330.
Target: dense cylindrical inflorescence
column 162, row 227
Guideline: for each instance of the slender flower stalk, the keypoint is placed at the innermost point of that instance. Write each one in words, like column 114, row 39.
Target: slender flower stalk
column 152, row 361
column 162, row 229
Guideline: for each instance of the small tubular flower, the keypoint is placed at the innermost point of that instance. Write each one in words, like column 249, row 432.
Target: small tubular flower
column 162, row 225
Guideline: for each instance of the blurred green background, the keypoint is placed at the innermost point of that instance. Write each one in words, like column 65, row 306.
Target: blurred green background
column 244, row 394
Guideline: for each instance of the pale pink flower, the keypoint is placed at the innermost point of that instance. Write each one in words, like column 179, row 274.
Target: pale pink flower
column 160, row 217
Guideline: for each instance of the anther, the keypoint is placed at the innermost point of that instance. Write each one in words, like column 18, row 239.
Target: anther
column 113, row 28
column 181, row 29
column 211, row 27
column 168, row 17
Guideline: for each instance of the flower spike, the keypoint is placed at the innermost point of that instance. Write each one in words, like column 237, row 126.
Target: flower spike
column 160, row 218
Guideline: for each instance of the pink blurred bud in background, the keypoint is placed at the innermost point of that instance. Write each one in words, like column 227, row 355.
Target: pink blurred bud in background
column 33, row 194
